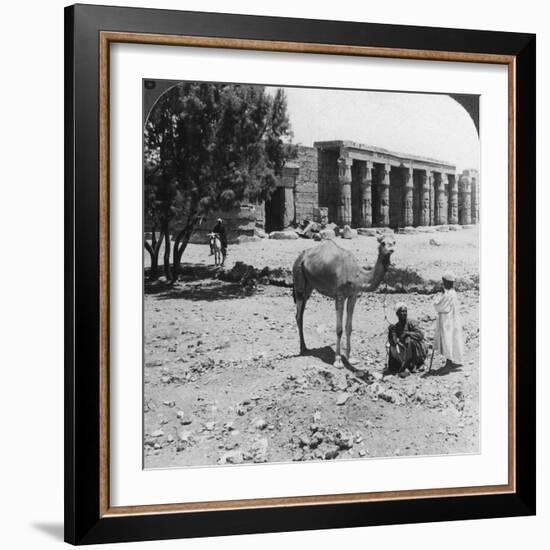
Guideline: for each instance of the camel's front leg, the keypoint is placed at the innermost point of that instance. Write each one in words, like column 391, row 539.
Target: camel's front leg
column 339, row 317
column 349, row 319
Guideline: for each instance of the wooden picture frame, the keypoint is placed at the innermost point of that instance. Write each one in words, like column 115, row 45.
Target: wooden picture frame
column 89, row 32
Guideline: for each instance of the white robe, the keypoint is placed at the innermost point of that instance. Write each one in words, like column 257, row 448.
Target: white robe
column 448, row 328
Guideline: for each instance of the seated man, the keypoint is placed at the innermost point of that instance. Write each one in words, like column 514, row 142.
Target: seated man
column 408, row 349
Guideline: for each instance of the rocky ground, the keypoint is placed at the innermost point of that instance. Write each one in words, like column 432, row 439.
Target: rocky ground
column 224, row 383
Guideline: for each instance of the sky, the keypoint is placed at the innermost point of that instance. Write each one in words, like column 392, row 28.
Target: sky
column 429, row 125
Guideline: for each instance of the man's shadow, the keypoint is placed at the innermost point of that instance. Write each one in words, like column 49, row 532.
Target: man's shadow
column 443, row 371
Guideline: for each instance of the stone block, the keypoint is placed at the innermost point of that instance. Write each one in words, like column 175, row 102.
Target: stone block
column 334, row 228
column 247, row 239
column 425, row 229
column 368, row 231
column 348, row 233
column 327, row 234
column 407, row 230
column 284, row 235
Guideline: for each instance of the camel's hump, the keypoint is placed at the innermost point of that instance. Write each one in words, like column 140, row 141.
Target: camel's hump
column 329, row 256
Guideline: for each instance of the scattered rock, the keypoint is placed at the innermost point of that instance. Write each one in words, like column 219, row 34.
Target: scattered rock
column 210, row 426
column 391, row 396
column 157, row 433
column 248, row 239
column 348, row 232
column 343, row 441
column 260, row 424
column 339, row 381
column 407, row 230
column 231, row 457
column 259, row 450
column 284, row 235
column 185, row 436
column 435, row 242
column 342, row 398
column 327, row 234
column 368, row 232
column 331, row 452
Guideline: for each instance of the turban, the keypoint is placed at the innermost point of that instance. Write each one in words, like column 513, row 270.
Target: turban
column 449, row 276
column 400, row 305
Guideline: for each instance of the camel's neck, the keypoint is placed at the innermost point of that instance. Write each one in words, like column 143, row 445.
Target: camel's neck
column 372, row 279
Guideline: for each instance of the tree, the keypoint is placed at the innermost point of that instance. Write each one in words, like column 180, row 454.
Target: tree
column 211, row 146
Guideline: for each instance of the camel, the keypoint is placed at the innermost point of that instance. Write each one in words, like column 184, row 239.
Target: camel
column 335, row 272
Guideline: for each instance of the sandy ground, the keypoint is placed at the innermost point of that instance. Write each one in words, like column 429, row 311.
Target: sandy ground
column 224, row 382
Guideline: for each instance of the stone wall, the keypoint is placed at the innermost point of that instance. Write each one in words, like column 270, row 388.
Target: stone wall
column 306, row 193
column 246, row 220
column 328, row 181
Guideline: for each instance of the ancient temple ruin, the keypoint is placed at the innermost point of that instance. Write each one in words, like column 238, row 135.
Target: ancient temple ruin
column 357, row 185
column 365, row 186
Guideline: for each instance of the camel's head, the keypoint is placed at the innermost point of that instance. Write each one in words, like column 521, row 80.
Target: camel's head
column 386, row 246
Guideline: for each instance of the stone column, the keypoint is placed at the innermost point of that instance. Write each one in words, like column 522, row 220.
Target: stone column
column 432, row 196
column 384, row 195
column 440, row 199
column 344, row 187
column 424, row 198
column 366, row 196
column 464, row 201
column 475, row 198
column 453, row 200
column 407, row 208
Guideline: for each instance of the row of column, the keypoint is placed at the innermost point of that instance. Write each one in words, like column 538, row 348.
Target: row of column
column 439, row 196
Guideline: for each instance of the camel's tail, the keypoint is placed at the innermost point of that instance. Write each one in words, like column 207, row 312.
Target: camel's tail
column 298, row 277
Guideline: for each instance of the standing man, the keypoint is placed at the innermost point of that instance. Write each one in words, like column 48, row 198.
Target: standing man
column 448, row 328
column 219, row 228
column 408, row 348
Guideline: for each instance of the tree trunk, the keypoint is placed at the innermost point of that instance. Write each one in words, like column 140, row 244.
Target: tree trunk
column 180, row 244
column 167, row 246
column 154, row 249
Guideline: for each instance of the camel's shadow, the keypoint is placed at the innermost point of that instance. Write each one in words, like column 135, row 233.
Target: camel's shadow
column 325, row 354
column 328, row 356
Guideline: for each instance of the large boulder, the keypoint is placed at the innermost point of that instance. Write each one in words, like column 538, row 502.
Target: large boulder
column 334, row 228
column 327, row 234
column 368, row 231
column 442, row 228
column 408, row 230
column 309, row 230
column 348, row 232
column 247, row 239
column 455, row 228
column 284, row 235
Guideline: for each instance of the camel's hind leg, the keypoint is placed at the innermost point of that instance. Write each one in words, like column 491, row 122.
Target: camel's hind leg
column 301, row 292
column 349, row 320
column 339, row 316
